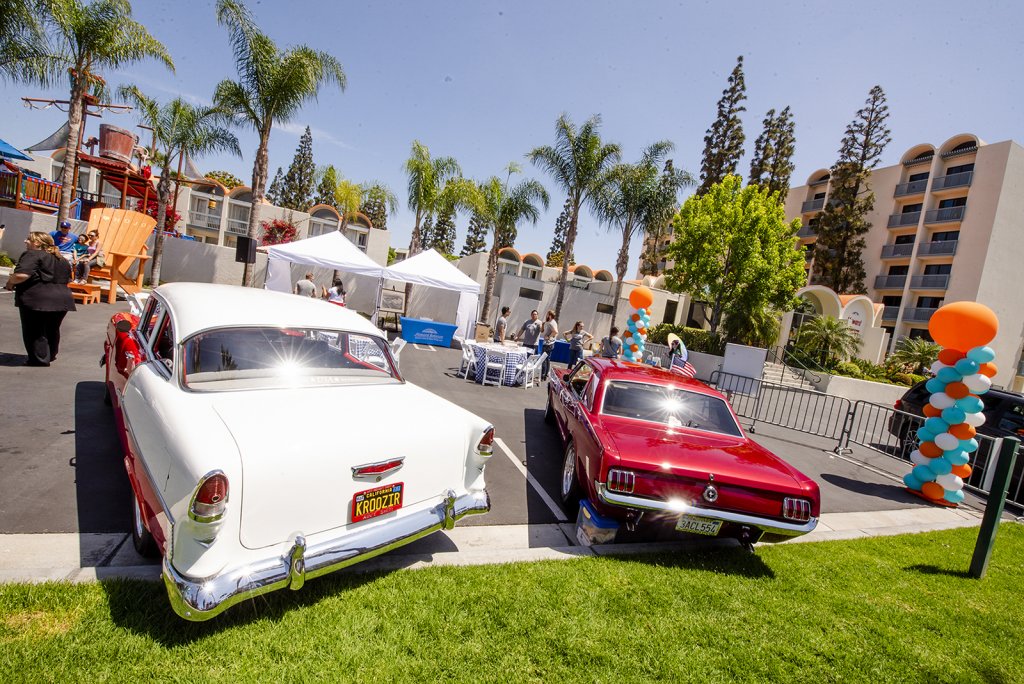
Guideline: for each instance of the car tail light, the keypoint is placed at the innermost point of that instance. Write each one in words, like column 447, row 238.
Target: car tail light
column 211, row 498
column 486, row 445
column 378, row 470
column 898, row 405
column 796, row 509
column 621, row 481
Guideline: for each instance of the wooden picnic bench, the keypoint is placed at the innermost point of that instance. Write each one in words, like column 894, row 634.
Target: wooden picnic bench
column 86, row 293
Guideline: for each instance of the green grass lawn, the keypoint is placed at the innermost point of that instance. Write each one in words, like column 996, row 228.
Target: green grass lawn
column 893, row 609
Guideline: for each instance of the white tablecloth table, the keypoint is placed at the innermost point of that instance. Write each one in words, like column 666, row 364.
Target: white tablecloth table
column 512, row 359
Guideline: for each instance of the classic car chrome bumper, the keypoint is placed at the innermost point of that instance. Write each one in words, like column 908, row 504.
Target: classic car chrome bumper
column 202, row 599
column 767, row 525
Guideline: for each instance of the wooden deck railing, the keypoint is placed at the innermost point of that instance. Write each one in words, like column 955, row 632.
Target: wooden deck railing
column 36, row 193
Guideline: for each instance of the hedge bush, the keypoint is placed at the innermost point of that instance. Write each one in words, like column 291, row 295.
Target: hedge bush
column 5, row 260
column 695, row 339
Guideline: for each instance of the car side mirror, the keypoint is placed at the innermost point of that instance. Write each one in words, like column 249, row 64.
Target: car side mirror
column 123, row 326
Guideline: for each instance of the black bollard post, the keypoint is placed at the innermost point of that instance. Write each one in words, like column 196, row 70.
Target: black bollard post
column 994, row 508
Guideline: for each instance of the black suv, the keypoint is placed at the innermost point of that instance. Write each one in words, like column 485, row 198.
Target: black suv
column 1004, row 413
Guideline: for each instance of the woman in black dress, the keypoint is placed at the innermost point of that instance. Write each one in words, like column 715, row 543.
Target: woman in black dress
column 40, row 284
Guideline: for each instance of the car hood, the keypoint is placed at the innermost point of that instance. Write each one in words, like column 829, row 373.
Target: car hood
column 685, row 452
column 298, row 448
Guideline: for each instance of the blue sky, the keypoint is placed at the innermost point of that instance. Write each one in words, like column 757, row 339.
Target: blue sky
column 484, row 81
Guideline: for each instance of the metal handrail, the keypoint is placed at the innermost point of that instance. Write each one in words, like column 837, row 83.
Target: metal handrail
column 953, row 180
column 778, row 355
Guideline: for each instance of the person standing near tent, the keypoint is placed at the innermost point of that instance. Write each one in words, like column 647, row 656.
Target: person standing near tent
column 550, row 335
column 502, row 325
column 529, row 332
column 306, row 287
column 336, row 295
column 577, row 338
column 40, row 285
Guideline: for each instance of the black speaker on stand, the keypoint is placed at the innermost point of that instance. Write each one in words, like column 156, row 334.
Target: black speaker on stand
column 245, row 250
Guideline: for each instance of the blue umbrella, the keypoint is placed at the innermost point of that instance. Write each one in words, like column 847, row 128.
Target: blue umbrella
column 11, row 152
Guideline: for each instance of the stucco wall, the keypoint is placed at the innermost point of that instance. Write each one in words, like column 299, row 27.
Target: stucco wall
column 859, row 390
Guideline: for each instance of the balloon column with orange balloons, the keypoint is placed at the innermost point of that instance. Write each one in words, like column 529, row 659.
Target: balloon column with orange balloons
column 635, row 337
column 953, row 414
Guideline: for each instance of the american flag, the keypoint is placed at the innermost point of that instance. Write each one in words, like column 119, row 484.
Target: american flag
column 682, row 367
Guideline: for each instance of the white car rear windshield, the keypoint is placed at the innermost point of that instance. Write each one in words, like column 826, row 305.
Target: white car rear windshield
column 669, row 406
column 260, row 358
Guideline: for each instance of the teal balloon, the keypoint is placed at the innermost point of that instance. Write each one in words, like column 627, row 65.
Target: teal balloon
column 641, row 312
column 935, row 385
column 949, row 374
column 936, row 425
column 969, row 445
column 957, row 457
column 966, row 366
column 970, row 404
column 923, row 473
column 912, row 482
column 926, row 435
column 981, row 354
column 954, row 415
column 940, row 466
column 954, row 496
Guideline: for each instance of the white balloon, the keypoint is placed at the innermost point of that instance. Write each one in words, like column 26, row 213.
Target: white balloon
column 941, row 400
column 917, row 458
column 946, row 441
column 950, row 482
column 937, row 366
column 978, row 383
column 975, row 419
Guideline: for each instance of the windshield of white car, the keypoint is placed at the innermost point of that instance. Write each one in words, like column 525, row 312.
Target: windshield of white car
column 669, row 406
column 262, row 358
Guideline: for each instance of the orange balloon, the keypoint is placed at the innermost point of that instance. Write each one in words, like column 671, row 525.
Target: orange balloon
column 963, row 325
column 963, row 471
column 641, row 297
column 635, row 317
column 933, row 490
column 963, row 431
column 931, row 412
column 950, row 356
column 930, row 449
column 988, row 369
column 957, row 390
column 641, row 331
column 635, row 348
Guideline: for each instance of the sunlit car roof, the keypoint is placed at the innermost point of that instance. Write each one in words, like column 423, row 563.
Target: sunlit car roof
column 201, row 306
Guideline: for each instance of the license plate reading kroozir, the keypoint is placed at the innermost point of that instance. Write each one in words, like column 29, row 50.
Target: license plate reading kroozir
column 374, row 502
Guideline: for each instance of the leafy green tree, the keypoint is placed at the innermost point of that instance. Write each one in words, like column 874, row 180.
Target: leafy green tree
column 427, row 233
column 733, row 244
column 631, row 199
column 300, row 178
column 225, row 178
column 24, row 53
column 843, row 222
column 272, row 87
column 660, row 225
column 772, row 163
column 917, row 353
column 348, row 195
column 829, row 339
column 752, row 324
column 274, row 191
column 180, row 130
column 577, row 162
column 325, row 187
column 444, row 231
column 502, row 207
column 82, row 41
column 723, row 143
column 476, row 237
column 378, row 201
column 427, row 178
column 558, row 239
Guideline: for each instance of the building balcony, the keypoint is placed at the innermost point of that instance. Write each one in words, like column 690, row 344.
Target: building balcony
column 890, row 282
column 918, row 314
column 946, row 215
column 897, row 251
column 812, row 205
column 911, row 218
column 807, row 232
column 912, row 188
column 201, row 219
column 934, row 249
column 238, row 226
column 930, row 282
column 953, row 180
column 890, row 313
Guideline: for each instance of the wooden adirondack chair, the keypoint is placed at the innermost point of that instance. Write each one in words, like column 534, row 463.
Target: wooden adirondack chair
column 123, row 236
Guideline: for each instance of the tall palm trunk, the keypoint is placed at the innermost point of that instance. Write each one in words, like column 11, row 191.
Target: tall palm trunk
column 75, row 123
column 415, row 243
column 259, row 183
column 621, row 264
column 492, row 275
column 163, row 196
column 570, row 242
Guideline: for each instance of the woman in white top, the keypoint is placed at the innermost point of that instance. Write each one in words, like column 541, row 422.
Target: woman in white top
column 336, row 294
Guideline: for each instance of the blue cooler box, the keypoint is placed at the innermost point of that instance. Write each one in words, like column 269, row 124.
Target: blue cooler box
column 592, row 527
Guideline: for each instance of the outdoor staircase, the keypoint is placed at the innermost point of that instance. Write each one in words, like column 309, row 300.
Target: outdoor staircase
column 777, row 374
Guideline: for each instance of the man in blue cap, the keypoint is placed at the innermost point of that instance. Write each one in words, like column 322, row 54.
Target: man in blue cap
column 65, row 239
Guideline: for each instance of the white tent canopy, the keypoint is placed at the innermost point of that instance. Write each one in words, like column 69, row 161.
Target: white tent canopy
column 334, row 250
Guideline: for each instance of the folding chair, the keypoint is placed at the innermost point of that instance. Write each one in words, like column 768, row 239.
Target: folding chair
column 397, row 345
column 494, row 368
column 468, row 359
column 531, row 371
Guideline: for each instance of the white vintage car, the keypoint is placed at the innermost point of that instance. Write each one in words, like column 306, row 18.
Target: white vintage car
column 271, row 438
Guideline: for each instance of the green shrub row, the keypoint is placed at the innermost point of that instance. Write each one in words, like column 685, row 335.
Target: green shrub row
column 891, row 373
column 695, row 339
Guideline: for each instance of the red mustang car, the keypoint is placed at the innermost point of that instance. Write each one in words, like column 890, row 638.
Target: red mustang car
column 649, row 447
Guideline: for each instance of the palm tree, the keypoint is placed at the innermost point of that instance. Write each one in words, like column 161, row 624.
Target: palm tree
column 273, row 85
column 85, row 39
column 24, row 54
column 427, row 178
column 917, row 352
column 180, row 130
column 830, row 338
column 635, row 196
column 502, row 208
column 347, row 198
column 577, row 162
column 757, row 327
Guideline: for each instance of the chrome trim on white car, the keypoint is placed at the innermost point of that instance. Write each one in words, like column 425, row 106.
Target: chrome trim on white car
column 202, row 599
column 768, row 525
